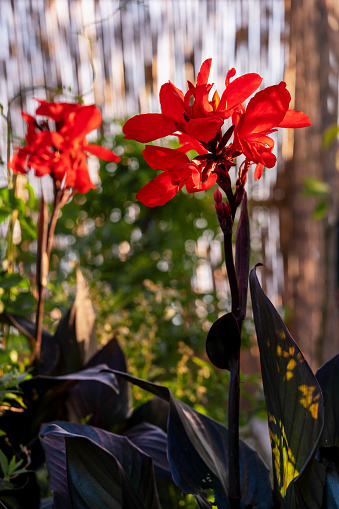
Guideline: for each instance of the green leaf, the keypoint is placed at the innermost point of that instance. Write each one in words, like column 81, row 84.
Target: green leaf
column 14, row 466
column 315, row 187
column 28, row 226
column 330, row 134
column 320, row 210
column 10, row 280
column 7, row 196
column 4, row 213
column 23, row 303
column 31, row 203
column 4, row 464
column 293, row 398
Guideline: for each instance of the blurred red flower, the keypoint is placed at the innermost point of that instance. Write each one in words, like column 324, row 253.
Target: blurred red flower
column 61, row 153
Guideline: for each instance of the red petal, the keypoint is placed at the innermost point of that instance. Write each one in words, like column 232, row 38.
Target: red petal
column 258, row 171
column 148, row 127
column 229, row 75
column 83, row 122
column 204, row 129
column 295, row 119
column 190, row 144
column 56, row 111
column 204, row 72
column 239, row 90
column 83, row 183
column 192, row 188
column 18, row 163
column 161, row 158
column 172, row 102
column 102, row 153
column 266, row 110
column 160, row 190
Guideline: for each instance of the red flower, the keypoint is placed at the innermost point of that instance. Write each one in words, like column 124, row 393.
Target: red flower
column 197, row 122
column 61, row 153
column 178, row 171
column 193, row 113
column 265, row 111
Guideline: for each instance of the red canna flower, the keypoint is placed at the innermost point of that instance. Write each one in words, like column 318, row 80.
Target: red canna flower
column 197, row 123
column 265, row 111
column 61, row 153
column 192, row 113
column 178, row 171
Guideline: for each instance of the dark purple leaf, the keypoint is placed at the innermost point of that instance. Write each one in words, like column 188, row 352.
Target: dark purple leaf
column 91, row 468
column 293, row 399
column 49, row 355
column 331, row 498
column 95, row 374
column 328, row 378
column 223, row 341
column 198, row 454
column 152, row 441
column 105, row 407
column 154, row 411
column 46, row 397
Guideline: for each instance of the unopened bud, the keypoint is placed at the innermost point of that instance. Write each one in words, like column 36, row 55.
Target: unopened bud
column 217, row 196
column 223, row 212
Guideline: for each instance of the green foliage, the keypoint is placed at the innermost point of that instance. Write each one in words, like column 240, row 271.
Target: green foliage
column 10, row 468
column 329, row 135
column 320, row 191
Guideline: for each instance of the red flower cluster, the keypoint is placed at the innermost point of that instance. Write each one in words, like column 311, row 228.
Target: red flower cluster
column 61, row 153
column 197, row 122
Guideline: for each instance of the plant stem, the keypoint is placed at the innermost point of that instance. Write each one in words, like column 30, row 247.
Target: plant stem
column 41, row 275
column 234, row 387
column 46, row 234
column 233, row 435
column 232, row 277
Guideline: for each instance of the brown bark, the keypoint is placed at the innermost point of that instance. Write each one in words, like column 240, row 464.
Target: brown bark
column 309, row 246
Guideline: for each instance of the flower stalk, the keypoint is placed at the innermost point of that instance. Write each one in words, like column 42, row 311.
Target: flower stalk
column 197, row 121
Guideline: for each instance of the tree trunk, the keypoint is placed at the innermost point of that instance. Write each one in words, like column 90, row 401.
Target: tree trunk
column 310, row 247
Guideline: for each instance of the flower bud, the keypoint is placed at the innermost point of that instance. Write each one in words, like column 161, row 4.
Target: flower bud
column 217, row 196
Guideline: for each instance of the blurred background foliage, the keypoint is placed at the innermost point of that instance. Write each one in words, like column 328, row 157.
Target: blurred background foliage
column 155, row 275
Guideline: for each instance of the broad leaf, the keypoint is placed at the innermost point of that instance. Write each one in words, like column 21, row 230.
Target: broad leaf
column 331, row 498
column 91, row 468
column 95, row 374
column 97, row 403
column 293, row 399
column 154, row 411
column 223, row 341
column 46, row 399
column 198, row 457
column 49, row 355
column 328, row 378
column 152, row 441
